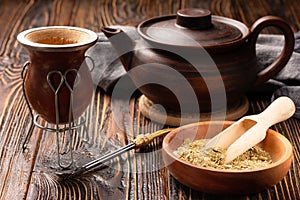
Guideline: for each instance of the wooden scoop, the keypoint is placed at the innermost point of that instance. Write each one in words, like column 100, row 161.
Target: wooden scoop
column 250, row 130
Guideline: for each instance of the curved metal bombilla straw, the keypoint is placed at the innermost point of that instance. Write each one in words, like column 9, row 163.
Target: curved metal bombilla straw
column 140, row 141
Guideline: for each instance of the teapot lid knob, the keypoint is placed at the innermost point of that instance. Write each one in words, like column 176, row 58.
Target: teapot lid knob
column 194, row 18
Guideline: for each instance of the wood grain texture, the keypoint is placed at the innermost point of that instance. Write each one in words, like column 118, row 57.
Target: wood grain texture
column 135, row 175
column 248, row 12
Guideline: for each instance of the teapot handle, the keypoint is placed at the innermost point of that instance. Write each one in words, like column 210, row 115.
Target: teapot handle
column 287, row 51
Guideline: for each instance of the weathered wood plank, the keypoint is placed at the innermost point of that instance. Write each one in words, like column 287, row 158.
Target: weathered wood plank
column 16, row 166
column 249, row 11
column 133, row 12
column 136, row 175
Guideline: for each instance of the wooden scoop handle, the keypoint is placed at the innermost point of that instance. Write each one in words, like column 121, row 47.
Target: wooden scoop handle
column 280, row 109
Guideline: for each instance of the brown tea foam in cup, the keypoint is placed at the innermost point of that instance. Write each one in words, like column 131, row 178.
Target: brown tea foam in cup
column 57, row 36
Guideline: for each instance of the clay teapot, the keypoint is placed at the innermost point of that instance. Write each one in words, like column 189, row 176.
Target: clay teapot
column 58, row 83
column 220, row 49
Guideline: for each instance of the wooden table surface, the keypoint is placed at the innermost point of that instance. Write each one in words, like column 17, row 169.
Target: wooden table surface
column 135, row 175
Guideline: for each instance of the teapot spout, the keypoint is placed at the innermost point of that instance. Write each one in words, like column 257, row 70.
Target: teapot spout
column 122, row 43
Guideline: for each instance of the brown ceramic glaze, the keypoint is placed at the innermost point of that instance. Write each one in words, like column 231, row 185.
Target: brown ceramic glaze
column 229, row 43
column 58, row 49
column 226, row 181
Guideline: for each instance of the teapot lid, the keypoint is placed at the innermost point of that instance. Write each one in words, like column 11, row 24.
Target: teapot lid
column 191, row 27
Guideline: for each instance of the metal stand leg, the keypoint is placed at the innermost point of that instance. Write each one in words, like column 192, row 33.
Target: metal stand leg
column 59, row 159
column 29, row 133
column 56, row 91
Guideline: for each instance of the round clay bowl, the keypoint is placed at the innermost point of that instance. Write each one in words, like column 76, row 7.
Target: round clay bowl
column 226, row 181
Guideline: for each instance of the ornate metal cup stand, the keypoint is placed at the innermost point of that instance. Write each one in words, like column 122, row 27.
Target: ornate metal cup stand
column 68, row 128
column 57, row 69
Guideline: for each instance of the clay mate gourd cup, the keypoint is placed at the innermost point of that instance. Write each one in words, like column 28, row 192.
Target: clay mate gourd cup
column 58, row 82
